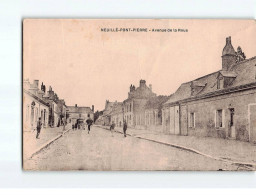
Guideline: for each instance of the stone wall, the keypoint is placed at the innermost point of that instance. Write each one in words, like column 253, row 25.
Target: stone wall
column 205, row 115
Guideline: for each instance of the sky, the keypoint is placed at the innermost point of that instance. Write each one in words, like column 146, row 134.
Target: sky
column 86, row 66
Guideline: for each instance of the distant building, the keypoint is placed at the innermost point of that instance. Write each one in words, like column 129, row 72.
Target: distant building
column 54, row 115
column 221, row 104
column 106, row 117
column 79, row 114
column 62, row 111
column 134, row 105
column 34, row 105
column 117, row 115
column 153, row 113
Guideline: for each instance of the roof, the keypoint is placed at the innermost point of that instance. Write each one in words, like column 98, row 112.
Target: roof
column 79, row 109
column 242, row 72
column 36, row 97
column 228, row 73
column 156, row 102
column 117, row 108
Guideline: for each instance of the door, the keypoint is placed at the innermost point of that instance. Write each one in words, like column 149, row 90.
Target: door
column 252, row 123
column 177, row 120
column 232, row 131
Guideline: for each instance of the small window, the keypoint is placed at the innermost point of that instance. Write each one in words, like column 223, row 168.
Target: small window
column 219, row 118
column 192, row 120
column 88, row 115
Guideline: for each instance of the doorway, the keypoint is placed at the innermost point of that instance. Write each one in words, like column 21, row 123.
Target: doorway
column 232, row 130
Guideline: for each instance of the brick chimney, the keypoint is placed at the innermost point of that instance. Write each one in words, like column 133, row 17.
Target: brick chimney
column 92, row 108
column 228, row 55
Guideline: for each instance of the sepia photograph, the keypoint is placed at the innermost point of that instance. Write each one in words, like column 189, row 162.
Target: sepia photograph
column 139, row 95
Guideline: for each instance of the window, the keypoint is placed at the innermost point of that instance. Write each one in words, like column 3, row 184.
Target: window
column 88, row 115
column 80, row 115
column 219, row 118
column 192, row 119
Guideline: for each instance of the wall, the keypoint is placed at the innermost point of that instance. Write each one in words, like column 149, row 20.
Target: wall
column 205, row 116
column 39, row 108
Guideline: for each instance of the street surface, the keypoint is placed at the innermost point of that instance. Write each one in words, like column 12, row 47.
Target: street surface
column 78, row 150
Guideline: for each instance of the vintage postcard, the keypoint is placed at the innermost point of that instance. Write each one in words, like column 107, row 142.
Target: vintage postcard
column 139, row 94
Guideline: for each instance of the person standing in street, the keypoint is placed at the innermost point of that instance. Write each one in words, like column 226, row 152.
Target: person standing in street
column 112, row 127
column 38, row 128
column 89, row 124
column 125, row 128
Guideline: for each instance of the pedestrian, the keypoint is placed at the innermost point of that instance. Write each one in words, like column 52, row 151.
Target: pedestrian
column 38, row 127
column 112, row 127
column 89, row 124
column 125, row 128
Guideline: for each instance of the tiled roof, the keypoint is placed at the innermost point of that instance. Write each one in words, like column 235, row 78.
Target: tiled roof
column 243, row 72
column 79, row 109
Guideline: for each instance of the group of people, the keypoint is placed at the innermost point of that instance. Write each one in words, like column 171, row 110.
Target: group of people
column 89, row 123
column 112, row 127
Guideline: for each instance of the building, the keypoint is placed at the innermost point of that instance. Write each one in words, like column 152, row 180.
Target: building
column 34, row 105
column 153, row 113
column 79, row 115
column 134, row 105
column 117, row 115
column 221, row 104
column 106, row 117
column 54, row 115
column 62, row 112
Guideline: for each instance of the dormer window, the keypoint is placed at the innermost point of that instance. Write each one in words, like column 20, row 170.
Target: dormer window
column 220, row 83
column 225, row 79
column 197, row 87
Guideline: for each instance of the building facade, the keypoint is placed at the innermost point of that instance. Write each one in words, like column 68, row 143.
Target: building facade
column 221, row 104
column 78, row 115
column 34, row 106
column 153, row 113
column 117, row 115
column 134, row 105
column 106, row 117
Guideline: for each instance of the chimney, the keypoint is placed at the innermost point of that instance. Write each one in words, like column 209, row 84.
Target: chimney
column 142, row 83
column 36, row 82
column 150, row 87
column 75, row 105
column 228, row 55
column 92, row 108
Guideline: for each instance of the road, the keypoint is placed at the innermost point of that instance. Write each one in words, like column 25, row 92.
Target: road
column 99, row 150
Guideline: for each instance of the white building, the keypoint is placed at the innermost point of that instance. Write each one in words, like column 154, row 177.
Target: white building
column 34, row 106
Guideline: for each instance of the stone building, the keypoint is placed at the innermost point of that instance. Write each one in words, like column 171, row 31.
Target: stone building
column 153, row 112
column 117, row 115
column 54, row 115
column 34, row 105
column 62, row 112
column 79, row 114
column 134, row 105
column 221, row 104
column 106, row 117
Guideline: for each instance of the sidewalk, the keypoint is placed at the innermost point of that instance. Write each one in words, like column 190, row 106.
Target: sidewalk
column 231, row 150
column 31, row 144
